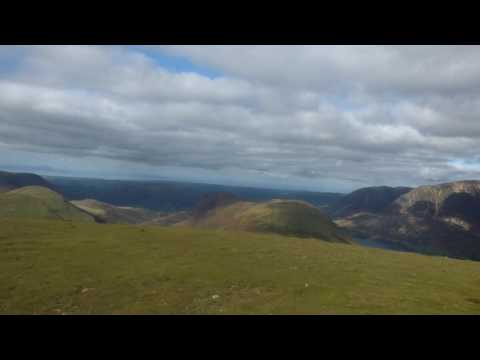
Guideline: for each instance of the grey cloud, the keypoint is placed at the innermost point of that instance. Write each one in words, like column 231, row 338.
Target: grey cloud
column 417, row 69
column 356, row 115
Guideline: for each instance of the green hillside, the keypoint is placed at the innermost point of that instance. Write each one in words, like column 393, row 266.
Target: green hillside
column 285, row 217
column 55, row 267
column 39, row 202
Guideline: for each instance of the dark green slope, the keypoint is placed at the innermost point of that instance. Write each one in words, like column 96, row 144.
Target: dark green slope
column 10, row 181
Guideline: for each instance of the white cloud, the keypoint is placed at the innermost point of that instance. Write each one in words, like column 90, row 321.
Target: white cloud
column 317, row 116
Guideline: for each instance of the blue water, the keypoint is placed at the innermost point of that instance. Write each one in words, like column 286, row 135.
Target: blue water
column 380, row 244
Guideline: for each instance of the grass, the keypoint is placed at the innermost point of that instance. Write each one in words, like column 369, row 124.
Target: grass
column 58, row 267
column 39, row 202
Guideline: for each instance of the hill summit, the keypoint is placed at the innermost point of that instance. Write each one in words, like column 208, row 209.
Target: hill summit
column 10, row 181
column 39, row 202
column 285, row 217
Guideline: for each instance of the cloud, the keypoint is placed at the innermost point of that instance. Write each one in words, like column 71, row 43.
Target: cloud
column 320, row 117
column 407, row 69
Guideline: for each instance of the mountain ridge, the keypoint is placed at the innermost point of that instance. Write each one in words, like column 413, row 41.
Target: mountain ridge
column 440, row 219
column 369, row 199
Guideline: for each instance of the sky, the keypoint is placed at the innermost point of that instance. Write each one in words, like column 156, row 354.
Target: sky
column 322, row 118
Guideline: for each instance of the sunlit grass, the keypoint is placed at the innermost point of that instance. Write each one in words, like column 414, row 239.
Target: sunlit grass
column 55, row 267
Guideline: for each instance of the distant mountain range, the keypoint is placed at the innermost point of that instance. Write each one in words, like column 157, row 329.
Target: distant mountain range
column 213, row 210
column 169, row 196
column 440, row 219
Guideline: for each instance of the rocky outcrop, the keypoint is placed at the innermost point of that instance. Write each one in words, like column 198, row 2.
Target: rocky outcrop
column 438, row 199
column 440, row 219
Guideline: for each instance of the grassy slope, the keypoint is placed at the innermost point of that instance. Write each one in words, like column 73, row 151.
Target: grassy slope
column 61, row 267
column 39, row 202
column 286, row 217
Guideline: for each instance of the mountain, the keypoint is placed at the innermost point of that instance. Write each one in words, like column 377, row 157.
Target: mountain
column 39, row 202
column 371, row 199
column 458, row 200
column 172, row 196
column 107, row 213
column 10, row 181
column 285, row 217
column 440, row 219
column 52, row 267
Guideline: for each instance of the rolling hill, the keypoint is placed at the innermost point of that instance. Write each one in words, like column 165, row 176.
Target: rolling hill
column 57, row 267
column 285, row 217
column 10, row 181
column 39, row 202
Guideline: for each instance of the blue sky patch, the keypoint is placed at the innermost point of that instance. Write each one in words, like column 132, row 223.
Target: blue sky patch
column 177, row 63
